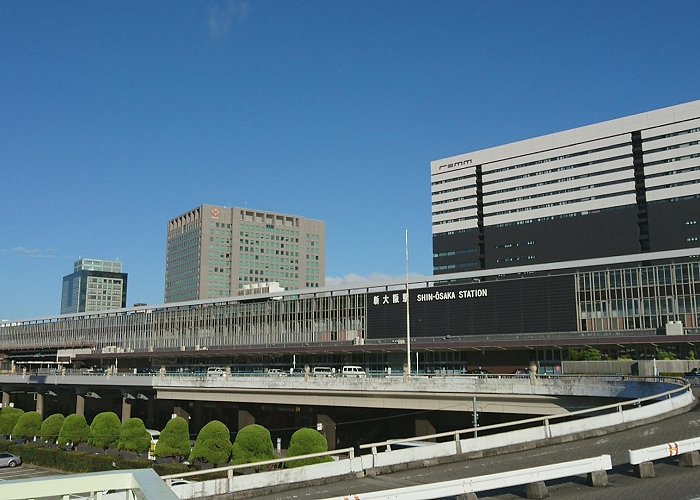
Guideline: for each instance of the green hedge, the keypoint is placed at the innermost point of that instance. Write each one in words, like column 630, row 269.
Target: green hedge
column 253, row 444
column 306, row 442
column 51, row 427
column 174, row 440
column 74, row 430
column 8, row 419
column 28, row 426
column 213, row 444
column 104, row 430
column 134, row 436
column 80, row 462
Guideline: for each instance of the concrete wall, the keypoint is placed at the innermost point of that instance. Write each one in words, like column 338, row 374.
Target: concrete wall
column 643, row 368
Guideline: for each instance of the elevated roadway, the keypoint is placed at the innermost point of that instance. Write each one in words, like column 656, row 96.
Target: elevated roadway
column 494, row 394
column 671, row 481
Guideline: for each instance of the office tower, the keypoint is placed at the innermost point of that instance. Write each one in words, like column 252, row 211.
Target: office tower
column 94, row 285
column 621, row 187
column 215, row 251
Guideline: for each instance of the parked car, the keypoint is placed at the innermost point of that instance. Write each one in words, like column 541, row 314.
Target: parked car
column 276, row 372
column 10, row 460
column 694, row 373
column 216, row 371
column 353, row 371
column 323, row 371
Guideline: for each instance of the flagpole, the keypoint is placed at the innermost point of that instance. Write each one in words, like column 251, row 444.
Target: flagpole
column 408, row 315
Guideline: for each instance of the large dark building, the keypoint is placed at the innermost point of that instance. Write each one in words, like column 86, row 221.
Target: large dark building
column 621, row 187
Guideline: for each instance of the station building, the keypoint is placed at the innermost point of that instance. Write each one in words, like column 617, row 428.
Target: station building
column 633, row 306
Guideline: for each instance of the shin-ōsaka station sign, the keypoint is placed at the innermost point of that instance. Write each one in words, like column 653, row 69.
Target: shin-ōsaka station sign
column 527, row 305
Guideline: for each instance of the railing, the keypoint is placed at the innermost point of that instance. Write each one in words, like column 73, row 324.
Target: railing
column 491, row 481
column 546, row 421
column 231, row 469
column 664, row 451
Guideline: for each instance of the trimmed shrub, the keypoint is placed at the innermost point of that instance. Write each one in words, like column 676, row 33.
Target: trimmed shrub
column 174, row 441
column 76, row 461
column 74, row 430
column 104, row 430
column 28, row 425
column 133, row 436
column 253, row 444
column 213, row 444
column 305, row 442
column 8, row 419
column 51, row 427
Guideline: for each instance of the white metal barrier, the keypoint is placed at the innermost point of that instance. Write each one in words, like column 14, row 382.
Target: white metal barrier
column 663, row 451
column 489, row 481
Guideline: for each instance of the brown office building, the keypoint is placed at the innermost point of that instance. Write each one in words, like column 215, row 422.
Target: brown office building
column 216, row 251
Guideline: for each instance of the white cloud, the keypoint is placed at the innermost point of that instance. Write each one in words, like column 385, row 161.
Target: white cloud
column 36, row 253
column 356, row 280
column 222, row 17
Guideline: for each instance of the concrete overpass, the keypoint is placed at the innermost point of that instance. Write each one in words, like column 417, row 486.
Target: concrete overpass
column 495, row 393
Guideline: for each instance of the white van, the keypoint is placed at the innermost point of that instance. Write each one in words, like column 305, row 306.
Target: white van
column 216, row 371
column 323, row 371
column 353, row 371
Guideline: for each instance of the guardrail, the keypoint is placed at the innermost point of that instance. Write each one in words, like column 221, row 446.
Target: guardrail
column 592, row 420
column 533, row 477
column 231, row 469
column 546, row 421
column 686, row 450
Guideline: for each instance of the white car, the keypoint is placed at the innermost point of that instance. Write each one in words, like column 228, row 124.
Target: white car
column 276, row 372
column 353, row 371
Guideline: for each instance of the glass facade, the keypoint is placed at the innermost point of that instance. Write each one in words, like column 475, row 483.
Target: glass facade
column 639, row 298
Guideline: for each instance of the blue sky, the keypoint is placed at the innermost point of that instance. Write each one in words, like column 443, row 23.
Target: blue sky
column 117, row 116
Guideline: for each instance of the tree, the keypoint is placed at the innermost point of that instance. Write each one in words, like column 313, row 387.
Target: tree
column 104, row 430
column 133, row 436
column 51, row 427
column 174, row 441
column 252, row 444
column 213, row 444
column 8, row 419
column 74, row 430
column 304, row 442
column 28, row 425
column 665, row 355
column 587, row 354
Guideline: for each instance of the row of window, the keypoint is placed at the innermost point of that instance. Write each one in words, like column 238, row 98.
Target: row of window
column 564, row 157
column 672, row 134
column 562, row 203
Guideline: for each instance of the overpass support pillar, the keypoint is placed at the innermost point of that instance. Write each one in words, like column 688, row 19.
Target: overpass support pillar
column 179, row 411
column 80, row 404
column 245, row 418
column 5, row 399
column 328, row 429
column 40, row 404
column 424, row 427
column 126, row 409
column 467, row 496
